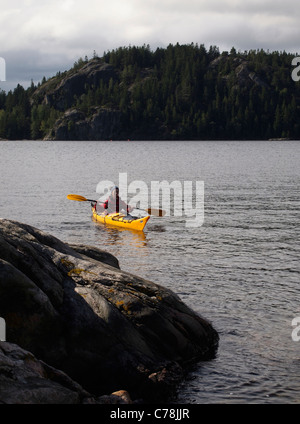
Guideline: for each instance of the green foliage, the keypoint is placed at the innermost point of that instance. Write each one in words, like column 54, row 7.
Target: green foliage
column 14, row 114
column 178, row 92
column 42, row 120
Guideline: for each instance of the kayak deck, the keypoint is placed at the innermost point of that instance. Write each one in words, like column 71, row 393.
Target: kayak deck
column 121, row 220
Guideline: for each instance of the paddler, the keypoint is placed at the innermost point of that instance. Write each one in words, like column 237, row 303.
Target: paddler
column 113, row 204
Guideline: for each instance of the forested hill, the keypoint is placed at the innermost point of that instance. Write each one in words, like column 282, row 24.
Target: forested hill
column 179, row 92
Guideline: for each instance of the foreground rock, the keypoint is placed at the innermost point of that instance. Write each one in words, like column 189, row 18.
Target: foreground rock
column 26, row 380
column 75, row 310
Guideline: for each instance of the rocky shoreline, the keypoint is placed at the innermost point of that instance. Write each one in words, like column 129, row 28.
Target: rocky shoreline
column 81, row 330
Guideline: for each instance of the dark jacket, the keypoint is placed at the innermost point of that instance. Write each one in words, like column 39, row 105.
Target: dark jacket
column 112, row 205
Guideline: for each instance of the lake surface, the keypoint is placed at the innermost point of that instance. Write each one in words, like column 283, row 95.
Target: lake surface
column 240, row 269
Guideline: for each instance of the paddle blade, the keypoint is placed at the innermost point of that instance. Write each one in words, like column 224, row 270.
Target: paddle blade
column 155, row 212
column 76, row 197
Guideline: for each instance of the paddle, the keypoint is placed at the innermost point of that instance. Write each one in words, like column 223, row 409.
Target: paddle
column 79, row 198
column 150, row 211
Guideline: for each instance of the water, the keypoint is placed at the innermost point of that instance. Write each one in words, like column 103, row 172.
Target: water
column 240, row 270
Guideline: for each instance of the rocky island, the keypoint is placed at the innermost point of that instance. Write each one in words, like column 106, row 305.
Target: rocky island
column 81, row 330
column 181, row 92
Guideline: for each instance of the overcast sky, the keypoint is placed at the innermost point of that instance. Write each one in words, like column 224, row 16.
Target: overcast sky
column 40, row 37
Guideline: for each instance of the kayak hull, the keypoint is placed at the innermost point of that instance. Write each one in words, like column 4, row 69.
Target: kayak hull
column 118, row 220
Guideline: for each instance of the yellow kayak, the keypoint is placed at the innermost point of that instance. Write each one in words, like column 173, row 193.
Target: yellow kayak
column 121, row 220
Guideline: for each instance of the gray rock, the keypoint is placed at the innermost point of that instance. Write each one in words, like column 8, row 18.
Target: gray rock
column 101, row 124
column 105, row 328
column 244, row 75
column 26, row 380
column 60, row 92
column 97, row 254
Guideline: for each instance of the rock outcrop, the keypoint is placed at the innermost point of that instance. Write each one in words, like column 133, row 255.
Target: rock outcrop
column 75, row 310
column 59, row 92
column 102, row 124
column 244, row 77
column 26, row 380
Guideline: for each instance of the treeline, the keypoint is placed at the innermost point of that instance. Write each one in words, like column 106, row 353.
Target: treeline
column 20, row 118
column 180, row 92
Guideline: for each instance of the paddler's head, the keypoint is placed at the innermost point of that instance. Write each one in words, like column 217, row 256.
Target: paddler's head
column 115, row 191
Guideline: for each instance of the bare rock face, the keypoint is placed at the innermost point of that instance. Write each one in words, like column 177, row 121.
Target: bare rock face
column 60, row 92
column 100, row 124
column 74, row 309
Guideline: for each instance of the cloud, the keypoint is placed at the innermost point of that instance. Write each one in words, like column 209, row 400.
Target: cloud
column 40, row 35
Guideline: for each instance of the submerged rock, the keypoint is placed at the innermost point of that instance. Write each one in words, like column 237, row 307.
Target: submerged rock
column 74, row 309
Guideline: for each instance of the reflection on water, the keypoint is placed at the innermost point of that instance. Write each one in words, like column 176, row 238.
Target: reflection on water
column 158, row 228
column 121, row 236
column 130, row 247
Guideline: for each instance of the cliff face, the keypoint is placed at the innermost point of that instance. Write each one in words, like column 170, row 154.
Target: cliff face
column 74, row 309
column 102, row 124
column 61, row 92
